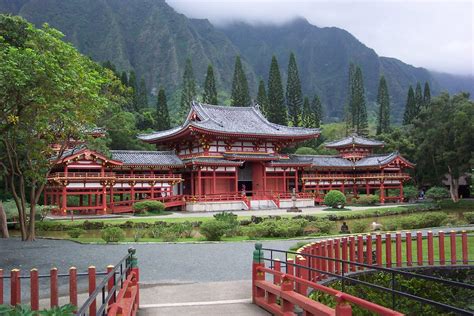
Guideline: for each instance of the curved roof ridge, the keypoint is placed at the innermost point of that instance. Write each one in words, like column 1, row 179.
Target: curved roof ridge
column 154, row 152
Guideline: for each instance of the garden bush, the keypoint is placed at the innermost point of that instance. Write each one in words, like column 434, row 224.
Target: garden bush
column 367, row 199
column 87, row 225
column 358, row 227
column 276, row 228
column 230, row 219
column 410, row 193
column 149, row 206
column 335, row 199
column 75, row 232
column 469, row 217
column 112, row 234
column 213, row 230
column 415, row 221
column 25, row 310
column 437, row 193
column 169, row 234
column 324, row 225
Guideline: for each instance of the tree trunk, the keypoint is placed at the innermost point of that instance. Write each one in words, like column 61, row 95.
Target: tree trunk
column 31, row 226
column 3, row 223
column 454, row 188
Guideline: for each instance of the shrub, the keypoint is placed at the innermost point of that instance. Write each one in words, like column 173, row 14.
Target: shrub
column 213, row 229
column 138, row 232
column 112, row 234
column 184, row 229
column 469, row 217
column 437, row 193
column 410, row 193
column 25, row 310
column 305, row 151
column 358, row 227
column 50, row 226
column 92, row 225
column 415, row 221
column 169, row 234
column 324, row 225
column 335, row 199
column 389, row 225
column 230, row 219
column 75, row 232
column 276, row 228
column 148, row 206
column 367, row 199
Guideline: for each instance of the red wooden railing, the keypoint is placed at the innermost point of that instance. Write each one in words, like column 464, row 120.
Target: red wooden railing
column 122, row 278
column 339, row 176
column 111, row 175
column 341, row 256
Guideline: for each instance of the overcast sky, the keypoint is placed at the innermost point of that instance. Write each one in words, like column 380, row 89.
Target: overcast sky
column 437, row 35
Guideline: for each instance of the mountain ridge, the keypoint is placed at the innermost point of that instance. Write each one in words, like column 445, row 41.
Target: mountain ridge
column 151, row 38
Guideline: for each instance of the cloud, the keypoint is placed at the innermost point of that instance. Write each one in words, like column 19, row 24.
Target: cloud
column 437, row 35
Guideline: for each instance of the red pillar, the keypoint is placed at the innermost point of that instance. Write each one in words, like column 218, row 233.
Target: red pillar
column 382, row 193
column 296, row 179
column 199, row 192
column 401, row 191
column 284, row 180
column 34, row 289
column 236, row 181
column 442, row 256
column 92, row 286
column 64, row 199
column 73, row 286
column 192, row 183
column 408, row 248
column 214, row 180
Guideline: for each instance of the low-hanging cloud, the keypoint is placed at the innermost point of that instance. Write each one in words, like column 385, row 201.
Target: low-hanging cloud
column 437, row 35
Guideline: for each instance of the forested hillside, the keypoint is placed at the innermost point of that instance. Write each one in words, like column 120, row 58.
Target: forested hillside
column 152, row 39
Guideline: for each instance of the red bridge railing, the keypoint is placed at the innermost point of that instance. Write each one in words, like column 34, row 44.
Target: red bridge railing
column 116, row 294
column 289, row 275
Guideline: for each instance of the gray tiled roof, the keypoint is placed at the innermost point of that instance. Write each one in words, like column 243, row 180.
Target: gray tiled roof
column 149, row 158
column 376, row 160
column 323, row 161
column 205, row 160
column 235, row 120
column 250, row 156
column 354, row 139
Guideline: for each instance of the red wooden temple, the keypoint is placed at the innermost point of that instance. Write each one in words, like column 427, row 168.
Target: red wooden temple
column 222, row 158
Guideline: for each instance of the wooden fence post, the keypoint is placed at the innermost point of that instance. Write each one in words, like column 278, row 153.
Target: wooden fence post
column 419, row 248
column 92, row 286
column 286, row 286
column 73, row 286
column 398, row 248
column 54, row 287
column 352, row 252
column 442, row 256
column 452, row 236
column 408, row 249
column 465, row 256
column 360, row 251
column 343, row 308
column 430, row 248
column 368, row 248
column 378, row 249
column 277, row 267
column 34, row 289
column 344, row 254
column 15, row 287
column 388, row 250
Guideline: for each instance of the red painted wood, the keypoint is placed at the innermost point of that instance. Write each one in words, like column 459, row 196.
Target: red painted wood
column 352, row 252
column 337, row 255
column 110, row 283
column 419, row 248
column 465, row 255
column 277, row 267
column 360, row 251
column 409, row 249
column 452, row 237
column 343, row 308
column 54, row 287
column 330, row 254
column 73, row 286
column 15, row 287
column 92, row 286
column 34, row 290
column 378, row 249
column 344, row 254
column 388, row 250
column 1, row 286
column 442, row 255
column 398, row 249
column 430, row 248
column 368, row 247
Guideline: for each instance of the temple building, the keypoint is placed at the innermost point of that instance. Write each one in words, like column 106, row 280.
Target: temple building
column 222, row 158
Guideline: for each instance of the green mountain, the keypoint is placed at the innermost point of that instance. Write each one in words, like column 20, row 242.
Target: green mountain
column 151, row 38
column 323, row 57
column 147, row 36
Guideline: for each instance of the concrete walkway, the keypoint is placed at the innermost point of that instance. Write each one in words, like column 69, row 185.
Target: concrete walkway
column 213, row 298
column 263, row 212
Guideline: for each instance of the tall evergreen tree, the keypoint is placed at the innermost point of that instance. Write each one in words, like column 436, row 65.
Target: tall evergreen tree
column 306, row 114
column 188, row 89
column 124, row 78
column 317, row 110
column 162, row 117
column 240, row 88
column 357, row 106
column 383, row 101
column 132, row 83
column 210, row 90
column 294, row 95
column 276, row 112
column 262, row 99
column 142, row 96
column 426, row 95
column 418, row 97
column 349, row 107
column 410, row 107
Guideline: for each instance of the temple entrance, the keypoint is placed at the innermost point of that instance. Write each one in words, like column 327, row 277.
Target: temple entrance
column 245, row 178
